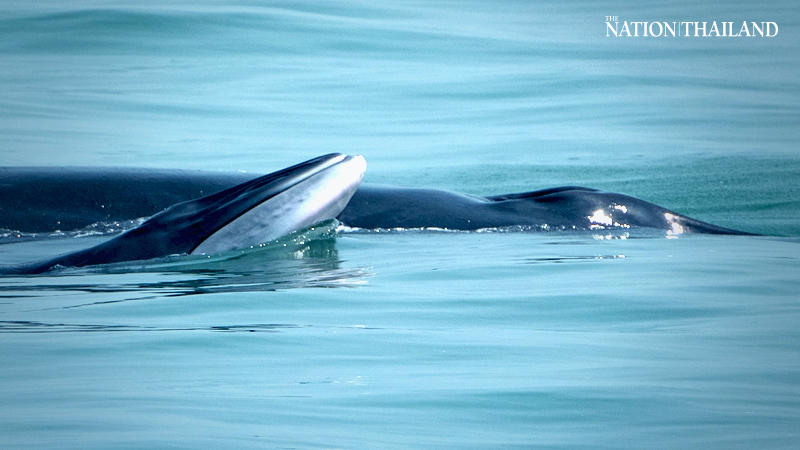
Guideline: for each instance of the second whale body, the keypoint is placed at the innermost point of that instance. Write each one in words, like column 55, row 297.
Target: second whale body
column 561, row 208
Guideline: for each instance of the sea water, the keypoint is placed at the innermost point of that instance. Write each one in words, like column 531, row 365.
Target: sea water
column 338, row 338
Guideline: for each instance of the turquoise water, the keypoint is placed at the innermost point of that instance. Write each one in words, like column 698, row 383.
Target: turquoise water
column 414, row 339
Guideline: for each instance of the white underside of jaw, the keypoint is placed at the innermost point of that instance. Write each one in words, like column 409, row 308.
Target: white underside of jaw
column 320, row 197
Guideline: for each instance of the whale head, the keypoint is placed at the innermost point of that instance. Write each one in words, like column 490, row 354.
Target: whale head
column 274, row 205
column 248, row 214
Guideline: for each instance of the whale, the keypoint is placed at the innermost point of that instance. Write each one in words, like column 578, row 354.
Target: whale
column 45, row 199
column 559, row 208
column 247, row 214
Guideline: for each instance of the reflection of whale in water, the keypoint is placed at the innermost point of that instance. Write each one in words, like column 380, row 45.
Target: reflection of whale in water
column 46, row 199
column 244, row 215
column 303, row 259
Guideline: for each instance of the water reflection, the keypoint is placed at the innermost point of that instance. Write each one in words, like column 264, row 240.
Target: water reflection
column 566, row 259
column 22, row 326
column 301, row 260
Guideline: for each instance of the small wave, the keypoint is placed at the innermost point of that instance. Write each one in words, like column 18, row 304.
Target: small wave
column 22, row 326
column 344, row 229
column 25, row 326
column 96, row 229
column 596, row 232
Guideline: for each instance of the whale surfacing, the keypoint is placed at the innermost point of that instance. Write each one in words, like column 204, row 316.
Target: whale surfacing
column 250, row 213
column 250, row 210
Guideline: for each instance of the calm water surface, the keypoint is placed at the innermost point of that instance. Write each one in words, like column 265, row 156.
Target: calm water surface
column 413, row 339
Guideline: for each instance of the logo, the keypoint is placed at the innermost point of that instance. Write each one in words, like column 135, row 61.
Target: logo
column 616, row 28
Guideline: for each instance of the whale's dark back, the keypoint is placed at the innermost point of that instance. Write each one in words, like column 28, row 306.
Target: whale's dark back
column 42, row 199
column 47, row 199
column 561, row 208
